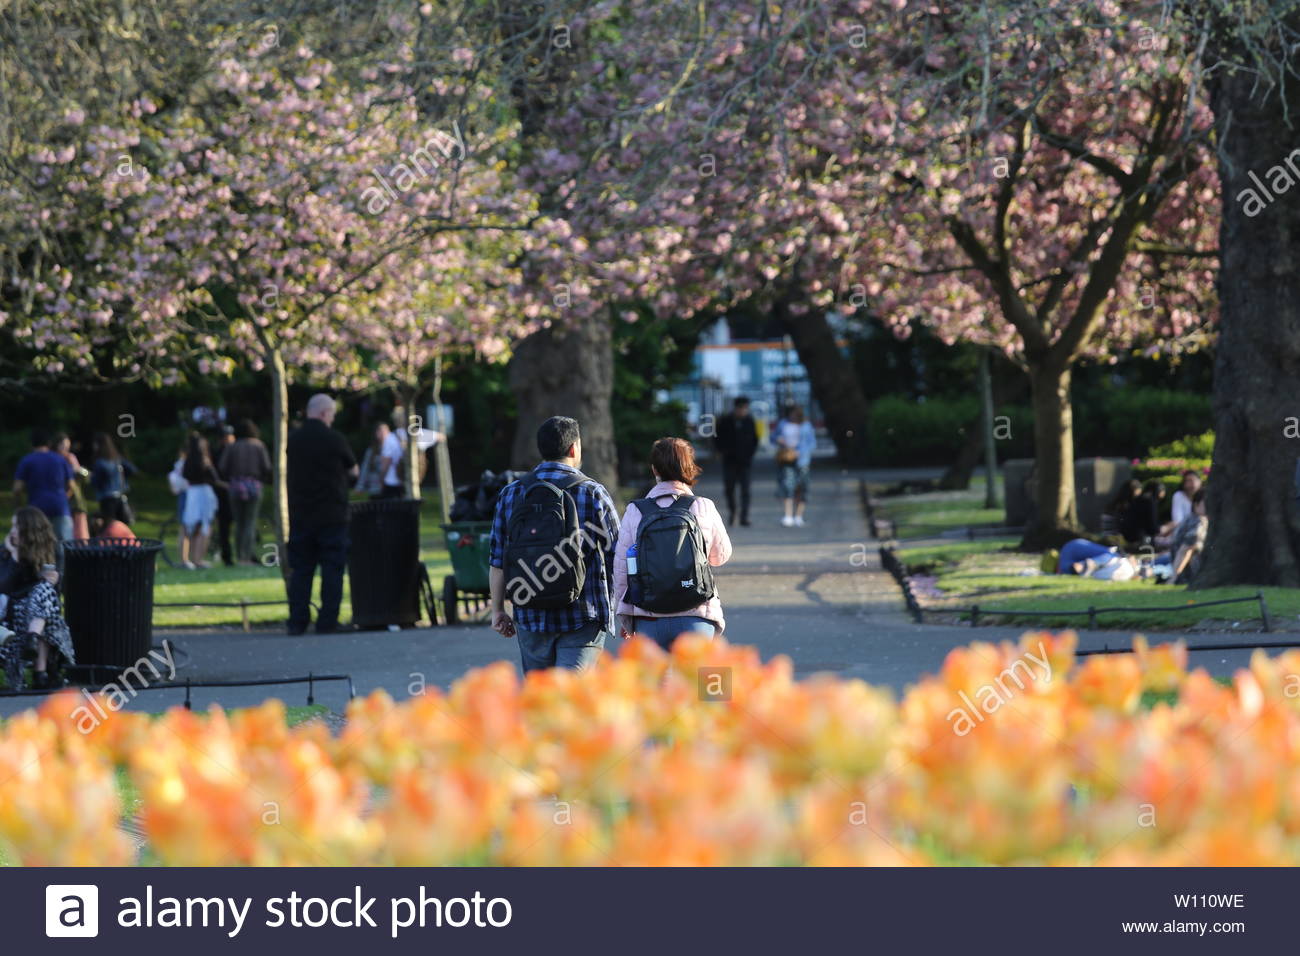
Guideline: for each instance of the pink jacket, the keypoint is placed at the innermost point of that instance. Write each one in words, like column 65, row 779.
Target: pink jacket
column 715, row 540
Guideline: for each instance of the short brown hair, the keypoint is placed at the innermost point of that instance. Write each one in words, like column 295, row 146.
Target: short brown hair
column 673, row 459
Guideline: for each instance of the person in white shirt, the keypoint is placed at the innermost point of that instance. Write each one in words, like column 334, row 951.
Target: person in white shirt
column 1182, row 503
column 390, row 460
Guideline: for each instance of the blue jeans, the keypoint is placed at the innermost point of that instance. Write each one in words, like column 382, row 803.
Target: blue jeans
column 664, row 630
column 62, row 527
column 576, row 650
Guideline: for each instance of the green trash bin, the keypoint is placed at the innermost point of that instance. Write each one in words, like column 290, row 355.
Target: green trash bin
column 469, row 544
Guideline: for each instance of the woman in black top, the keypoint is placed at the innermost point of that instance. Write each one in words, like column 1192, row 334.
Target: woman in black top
column 200, row 502
column 1141, row 520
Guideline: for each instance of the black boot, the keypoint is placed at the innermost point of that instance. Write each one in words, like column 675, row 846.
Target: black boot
column 41, row 680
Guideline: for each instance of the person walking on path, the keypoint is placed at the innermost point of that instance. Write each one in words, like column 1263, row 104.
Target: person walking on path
column 672, row 462
column 246, row 466
column 795, row 441
column 80, row 521
column 321, row 468
column 225, row 511
column 108, row 478
column 44, row 479
column 737, row 441
column 202, row 480
column 552, row 554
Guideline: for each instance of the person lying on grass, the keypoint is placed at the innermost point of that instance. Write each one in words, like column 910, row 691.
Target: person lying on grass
column 1092, row 560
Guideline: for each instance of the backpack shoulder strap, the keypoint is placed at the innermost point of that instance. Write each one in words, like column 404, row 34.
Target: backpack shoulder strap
column 646, row 506
column 567, row 484
column 681, row 503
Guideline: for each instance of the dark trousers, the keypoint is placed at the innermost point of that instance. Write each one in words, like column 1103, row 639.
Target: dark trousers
column 736, row 473
column 309, row 546
column 224, row 515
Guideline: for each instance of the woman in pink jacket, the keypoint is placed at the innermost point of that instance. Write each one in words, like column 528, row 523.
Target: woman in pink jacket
column 672, row 462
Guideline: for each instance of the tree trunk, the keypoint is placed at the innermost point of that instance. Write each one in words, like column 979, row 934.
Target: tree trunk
column 411, row 447
column 279, row 461
column 986, row 432
column 1055, row 517
column 567, row 371
column 831, row 375
column 1254, row 535
column 958, row 475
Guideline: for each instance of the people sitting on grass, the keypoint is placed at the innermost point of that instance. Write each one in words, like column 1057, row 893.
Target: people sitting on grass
column 1117, row 507
column 32, row 618
column 1181, row 506
column 1187, row 543
column 1092, row 560
column 1140, row 523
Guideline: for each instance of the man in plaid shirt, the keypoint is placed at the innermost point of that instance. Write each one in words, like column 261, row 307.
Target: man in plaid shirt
column 569, row 636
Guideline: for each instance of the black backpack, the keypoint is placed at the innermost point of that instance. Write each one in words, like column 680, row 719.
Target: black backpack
column 544, row 563
column 672, row 564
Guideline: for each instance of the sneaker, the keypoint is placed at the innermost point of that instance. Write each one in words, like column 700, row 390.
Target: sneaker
column 787, row 522
column 188, row 565
column 798, row 521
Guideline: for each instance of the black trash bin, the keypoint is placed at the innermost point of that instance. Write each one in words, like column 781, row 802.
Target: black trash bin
column 108, row 599
column 384, row 562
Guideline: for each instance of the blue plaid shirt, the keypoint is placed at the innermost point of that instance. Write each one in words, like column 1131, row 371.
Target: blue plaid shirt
column 596, row 517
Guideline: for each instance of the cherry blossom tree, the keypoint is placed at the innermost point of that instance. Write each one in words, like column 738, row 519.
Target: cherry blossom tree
column 1030, row 176
column 288, row 222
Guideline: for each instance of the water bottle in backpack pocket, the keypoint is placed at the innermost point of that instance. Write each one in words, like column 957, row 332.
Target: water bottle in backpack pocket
column 668, row 569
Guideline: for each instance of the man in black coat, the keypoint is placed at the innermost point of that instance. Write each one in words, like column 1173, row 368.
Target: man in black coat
column 321, row 469
column 736, row 441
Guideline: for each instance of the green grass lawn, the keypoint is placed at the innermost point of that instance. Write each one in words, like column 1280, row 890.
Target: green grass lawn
column 933, row 512
column 990, row 573
column 155, row 505
column 994, row 581
column 928, row 557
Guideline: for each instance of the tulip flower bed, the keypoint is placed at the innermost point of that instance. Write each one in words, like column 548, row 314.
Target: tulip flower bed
column 706, row 757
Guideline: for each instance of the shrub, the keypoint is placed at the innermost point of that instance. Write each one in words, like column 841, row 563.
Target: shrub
column 906, row 432
column 1126, row 422
column 1195, row 447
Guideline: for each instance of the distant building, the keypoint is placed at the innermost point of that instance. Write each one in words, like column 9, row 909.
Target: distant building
column 766, row 371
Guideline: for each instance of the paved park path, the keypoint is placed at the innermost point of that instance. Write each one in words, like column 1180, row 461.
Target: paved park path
column 816, row 594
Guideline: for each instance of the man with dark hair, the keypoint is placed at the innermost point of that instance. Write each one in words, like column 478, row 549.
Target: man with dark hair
column 564, row 632
column 320, row 472
column 736, row 441
column 45, row 479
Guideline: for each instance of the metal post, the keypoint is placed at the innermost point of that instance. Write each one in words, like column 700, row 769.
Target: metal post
column 1263, row 611
column 243, row 612
column 974, row 615
column 1092, row 619
column 986, row 425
